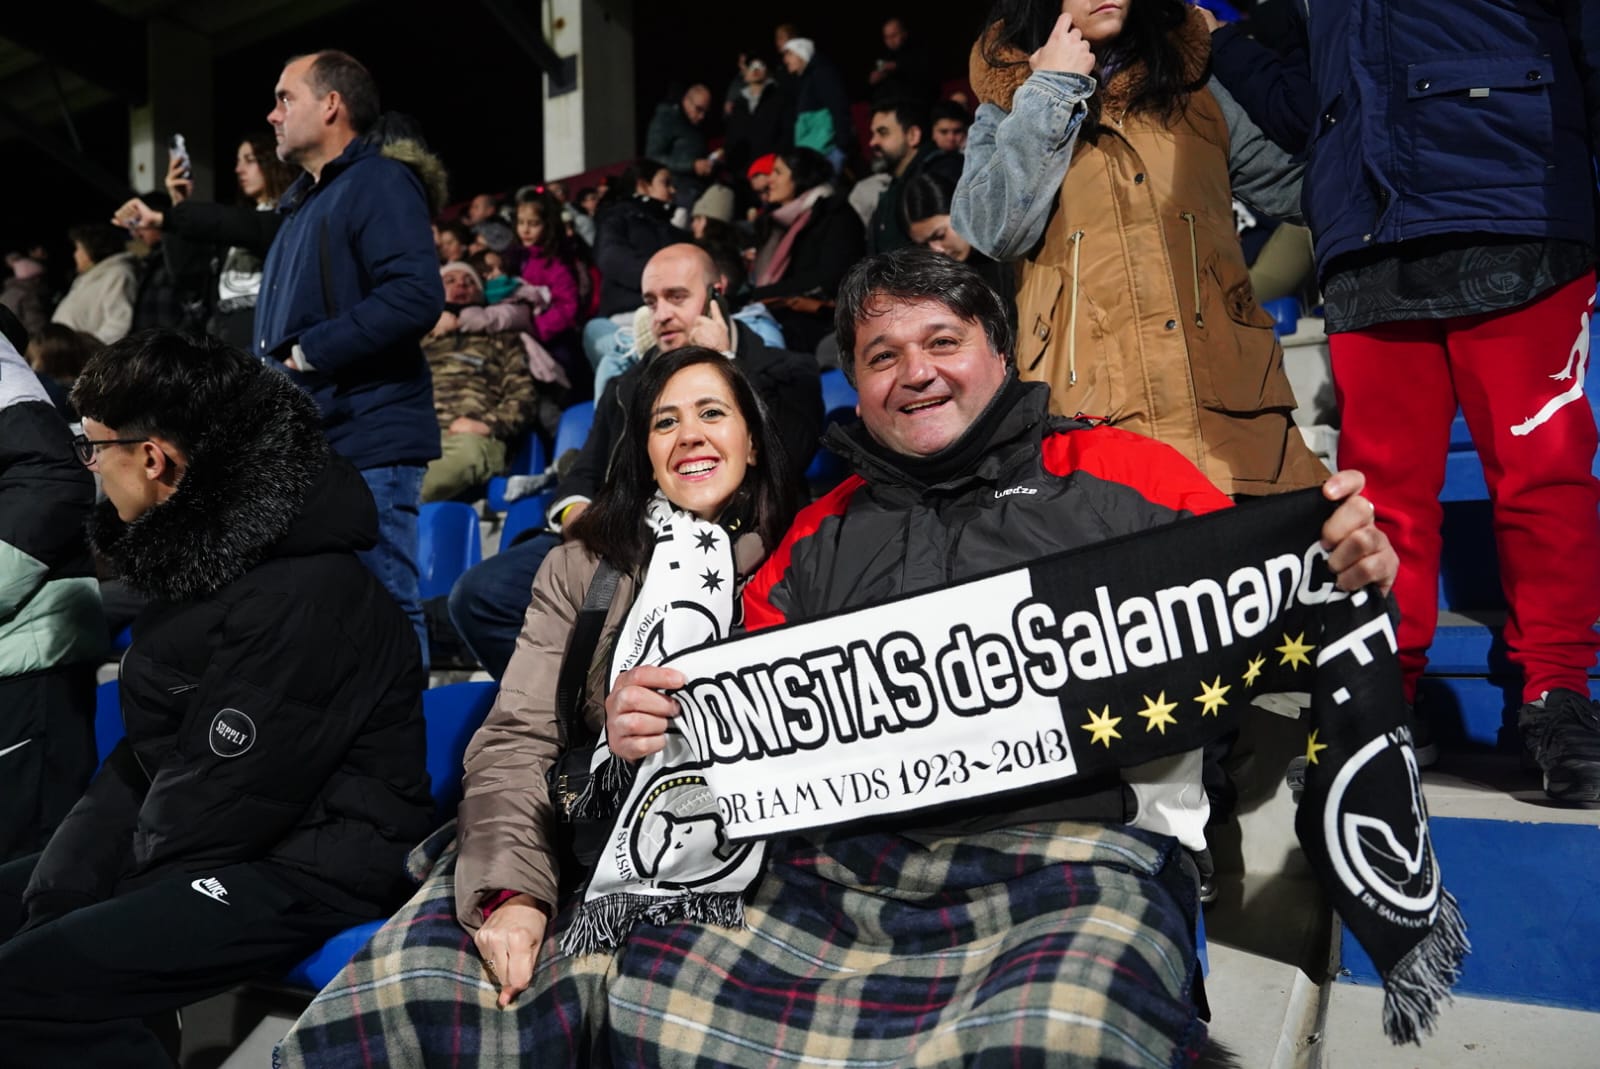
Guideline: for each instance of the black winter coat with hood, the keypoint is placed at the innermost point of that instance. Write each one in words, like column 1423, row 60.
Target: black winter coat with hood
column 273, row 691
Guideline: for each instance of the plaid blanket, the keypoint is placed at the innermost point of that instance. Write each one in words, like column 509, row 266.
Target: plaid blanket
column 1048, row 944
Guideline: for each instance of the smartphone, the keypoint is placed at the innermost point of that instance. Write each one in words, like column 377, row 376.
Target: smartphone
column 714, row 300
column 180, row 152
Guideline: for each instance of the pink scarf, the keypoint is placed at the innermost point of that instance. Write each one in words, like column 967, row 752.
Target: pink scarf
column 791, row 218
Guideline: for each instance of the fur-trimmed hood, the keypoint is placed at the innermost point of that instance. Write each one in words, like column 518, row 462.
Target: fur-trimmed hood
column 261, row 483
column 995, row 84
column 427, row 167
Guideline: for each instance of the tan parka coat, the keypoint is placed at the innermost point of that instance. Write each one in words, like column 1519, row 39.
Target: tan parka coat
column 1137, row 307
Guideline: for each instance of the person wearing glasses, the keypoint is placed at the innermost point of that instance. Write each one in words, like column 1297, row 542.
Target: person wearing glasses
column 51, row 631
column 272, row 777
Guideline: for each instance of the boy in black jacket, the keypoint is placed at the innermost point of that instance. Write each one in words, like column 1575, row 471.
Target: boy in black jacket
column 272, row 777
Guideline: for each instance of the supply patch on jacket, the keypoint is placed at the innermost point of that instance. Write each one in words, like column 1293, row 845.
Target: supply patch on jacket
column 1088, row 661
column 232, row 733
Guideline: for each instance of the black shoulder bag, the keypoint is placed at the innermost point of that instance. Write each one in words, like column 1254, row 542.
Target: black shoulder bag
column 568, row 777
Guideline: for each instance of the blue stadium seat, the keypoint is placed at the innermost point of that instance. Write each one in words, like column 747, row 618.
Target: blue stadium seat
column 525, row 514
column 452, row 714
column 838, row 404
column 529, row 459
column 573, row 430
column 123, row 639
column 1285, row 313
column 448, row 544
column 108, row 726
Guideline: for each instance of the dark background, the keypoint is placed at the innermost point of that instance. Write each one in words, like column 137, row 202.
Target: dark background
column 477, row 95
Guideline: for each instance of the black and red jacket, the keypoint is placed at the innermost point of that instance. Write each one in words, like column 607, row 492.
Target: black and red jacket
column 1042, row 484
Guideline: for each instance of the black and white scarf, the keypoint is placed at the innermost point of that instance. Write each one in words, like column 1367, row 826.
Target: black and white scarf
column 663, row 824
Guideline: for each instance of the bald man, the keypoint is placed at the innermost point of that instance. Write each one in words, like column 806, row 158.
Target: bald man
column 489, row 601
column 676, row 139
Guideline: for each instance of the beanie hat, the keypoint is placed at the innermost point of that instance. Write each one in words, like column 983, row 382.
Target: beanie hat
column 762, row 165
column 804, row 47
column 715, row 203
column 461, row 265
column 495, row 234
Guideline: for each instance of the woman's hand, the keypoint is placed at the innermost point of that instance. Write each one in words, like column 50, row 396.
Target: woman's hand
column 136, row 212
column 179, row 185
column 509, row 943
column 1358, row 553
column 637, row 713
column 1066, row 50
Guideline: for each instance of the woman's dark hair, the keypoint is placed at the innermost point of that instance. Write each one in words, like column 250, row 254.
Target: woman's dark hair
column 99, row 240
column 60, row 352
column 918, row 274
column 462, row 232
column 926, row 196
column 274, row 172
column 613, row 525
column 809, row 167
column 553, row 241
column 626, row 184
column 1145, row 40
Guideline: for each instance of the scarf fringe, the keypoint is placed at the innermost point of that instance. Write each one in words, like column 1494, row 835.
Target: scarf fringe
column 607, row 788
column 1414, row 987
column 602, row 925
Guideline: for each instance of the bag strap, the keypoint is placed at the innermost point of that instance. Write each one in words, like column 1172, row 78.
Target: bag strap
column 585, row 639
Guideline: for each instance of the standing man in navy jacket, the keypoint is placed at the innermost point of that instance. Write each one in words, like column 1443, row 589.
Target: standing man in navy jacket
column 1450, row 190
column 350, row 287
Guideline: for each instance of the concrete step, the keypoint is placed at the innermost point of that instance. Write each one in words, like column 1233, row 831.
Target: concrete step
column 1524, row 870
column 1473, row 1033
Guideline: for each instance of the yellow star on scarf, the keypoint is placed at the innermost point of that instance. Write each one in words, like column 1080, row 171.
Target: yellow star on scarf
column 1294, row 651
column 1312, row 746
column 1102, row 727
column 1252, row 671
column 1158, row 713
column 1211, row 696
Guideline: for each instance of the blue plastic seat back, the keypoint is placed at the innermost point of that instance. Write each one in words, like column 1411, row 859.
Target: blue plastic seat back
column 108, row 726
column 838, row 405
column 447, row 545
column 524, row 515
column 452, row 714
column 573, row 430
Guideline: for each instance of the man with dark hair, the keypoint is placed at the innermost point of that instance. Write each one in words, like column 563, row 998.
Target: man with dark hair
column 950, row 122
column 900, row 139
column 51, row 630
column 349, row 288
column 271, row 780
column 1052, row 900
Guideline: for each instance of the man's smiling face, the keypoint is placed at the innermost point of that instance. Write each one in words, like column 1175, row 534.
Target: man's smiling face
column 923, row 374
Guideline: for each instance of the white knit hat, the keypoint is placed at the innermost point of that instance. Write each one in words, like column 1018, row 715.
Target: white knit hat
column 804, row 47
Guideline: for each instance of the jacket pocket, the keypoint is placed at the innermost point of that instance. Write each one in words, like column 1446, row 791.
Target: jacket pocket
column 1238, row 365
column 1477, row 120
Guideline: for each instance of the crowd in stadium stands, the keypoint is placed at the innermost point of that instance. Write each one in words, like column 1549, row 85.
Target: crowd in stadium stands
column 1083, row 224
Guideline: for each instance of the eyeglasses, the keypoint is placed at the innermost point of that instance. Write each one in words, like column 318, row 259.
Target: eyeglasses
column 87, row 447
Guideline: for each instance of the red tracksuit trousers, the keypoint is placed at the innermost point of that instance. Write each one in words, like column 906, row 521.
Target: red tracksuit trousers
column 1518, row 377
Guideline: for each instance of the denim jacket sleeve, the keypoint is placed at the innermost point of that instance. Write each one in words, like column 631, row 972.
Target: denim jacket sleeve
column 1015, row 164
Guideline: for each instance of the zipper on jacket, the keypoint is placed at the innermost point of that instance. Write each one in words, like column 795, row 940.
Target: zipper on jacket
column 1072, row 315
column 1194, row 261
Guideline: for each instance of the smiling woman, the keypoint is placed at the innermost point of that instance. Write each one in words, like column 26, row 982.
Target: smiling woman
column 697, row 494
